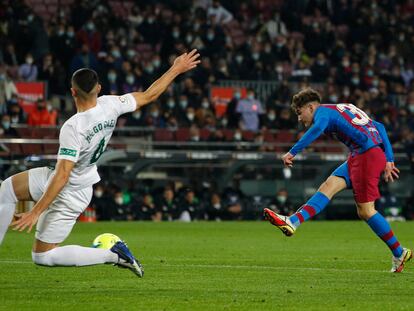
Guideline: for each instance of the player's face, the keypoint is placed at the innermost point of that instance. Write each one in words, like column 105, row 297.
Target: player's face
column 305, row 115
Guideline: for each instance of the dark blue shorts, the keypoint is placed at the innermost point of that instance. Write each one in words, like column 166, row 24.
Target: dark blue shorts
column 342, row 171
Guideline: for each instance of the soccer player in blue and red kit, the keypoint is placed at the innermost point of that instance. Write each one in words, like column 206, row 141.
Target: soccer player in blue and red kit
column 370, row 156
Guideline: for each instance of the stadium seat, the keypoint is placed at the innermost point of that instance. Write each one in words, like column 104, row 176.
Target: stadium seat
column 228, row 134
column 182, row 134
column 163, row 135
column 204, row 134
column 28, row 149
column 285, row 136
column 248, row 135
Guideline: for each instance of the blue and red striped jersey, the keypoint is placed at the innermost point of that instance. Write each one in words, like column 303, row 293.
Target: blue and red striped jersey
column 348, row 124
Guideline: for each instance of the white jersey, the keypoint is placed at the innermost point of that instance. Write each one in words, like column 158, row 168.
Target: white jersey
column 84, row 137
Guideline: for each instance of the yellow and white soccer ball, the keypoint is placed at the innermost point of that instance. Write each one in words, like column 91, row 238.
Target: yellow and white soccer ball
column 105, row 240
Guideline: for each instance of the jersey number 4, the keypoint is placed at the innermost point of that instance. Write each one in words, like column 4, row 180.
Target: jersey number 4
column 360, row 117
column 99, row 151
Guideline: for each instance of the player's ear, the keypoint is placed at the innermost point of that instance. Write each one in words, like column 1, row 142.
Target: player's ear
column 73, row 92
column 98, row 89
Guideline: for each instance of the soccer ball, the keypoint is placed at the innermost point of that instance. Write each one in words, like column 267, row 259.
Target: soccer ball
column 105, row 240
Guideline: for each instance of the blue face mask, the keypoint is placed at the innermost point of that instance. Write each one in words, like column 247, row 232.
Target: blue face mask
column 251, row 96
column 6, row 124
column 237, row 95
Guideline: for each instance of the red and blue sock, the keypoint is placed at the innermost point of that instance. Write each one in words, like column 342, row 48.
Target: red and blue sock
column 314, row 206
column 382, row 228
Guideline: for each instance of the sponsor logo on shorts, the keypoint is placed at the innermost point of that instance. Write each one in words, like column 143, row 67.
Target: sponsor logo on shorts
column 67, row 152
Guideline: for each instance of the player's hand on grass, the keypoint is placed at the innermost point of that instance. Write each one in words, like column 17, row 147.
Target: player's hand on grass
column 391, row 172
column 25, row 220
column 288, row 159
column 186, row 61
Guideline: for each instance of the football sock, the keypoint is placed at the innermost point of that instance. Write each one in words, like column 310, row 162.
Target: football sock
column 382, row 228
column 8, row 202
column 74, row 255
column 314, row 206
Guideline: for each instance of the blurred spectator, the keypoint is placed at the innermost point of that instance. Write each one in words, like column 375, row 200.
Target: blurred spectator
column 281, row 203
column 42, row 114
column 167, row 204
column 232, row 116
column 250, row 109
column 28, row 71
column 147, row 210
column 8, row 131
column 119, row 209
column 189, row 208
column 90, row 36
column 7, row 89
column 99, row 203
column 83, row 58
column 218, row 14
column 215, row 208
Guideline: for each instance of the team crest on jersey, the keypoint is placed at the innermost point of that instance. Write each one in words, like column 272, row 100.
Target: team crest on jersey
column 122, row 99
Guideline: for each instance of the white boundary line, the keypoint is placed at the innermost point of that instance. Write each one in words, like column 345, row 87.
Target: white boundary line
column 243, row 267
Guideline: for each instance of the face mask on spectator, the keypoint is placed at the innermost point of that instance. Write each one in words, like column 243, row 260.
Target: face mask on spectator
column 268, row 49
column 116, row 53
column 411, row 108
column 175, row 34
column 282, row 199
column 98, row 193
column 255, row 56
column 1, row 131
column 136, row 115
column 375, row 83
column 210, row 36
column 155, row 114
column 196, row 26
column 151, row 20
column 29, row 60
column 333, row 98
column 90, row 26
column 237, row 136
column 171, row 103
column 111, row 77
column 189, row 39
column 237, row 95
column 355, row 81
column 130, row 79
column 279, row 69
column 250, row 96
column 345, row 63
column 224, row 121
column 2, row 76
column 195, row 138
column 119, row 200
column 71, row 34
column 131, row 53
column 271, row 116
column 30, row 18
column 6, row 124
column 205, row 104
column 346, row 92
column 156, row 63
column 149, row 69
column 217, row 206
column 183, row 103
column 190, row 116
column 15, row 119
column 60, row 32
column 49, row 107
column 239, row 59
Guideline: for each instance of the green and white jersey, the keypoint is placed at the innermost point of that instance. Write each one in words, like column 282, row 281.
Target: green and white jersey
column 84, row 137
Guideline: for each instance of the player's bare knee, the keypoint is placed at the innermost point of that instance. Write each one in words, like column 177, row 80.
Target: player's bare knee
column 365, row 212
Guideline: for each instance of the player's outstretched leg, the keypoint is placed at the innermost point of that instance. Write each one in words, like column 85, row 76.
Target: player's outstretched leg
column 382, row 229
column 8, row 202
column 314, row 206
column 288, row 225
column 74, row 255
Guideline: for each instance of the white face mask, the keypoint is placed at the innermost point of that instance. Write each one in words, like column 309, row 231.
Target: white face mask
column 98, row 193
column 272, row 116
column 190, row 116
column 137, row 114
column 119, row 200
column 237, row 136
column 282, row 199
column 29, row 60
column 171, row 104
column 205, row 104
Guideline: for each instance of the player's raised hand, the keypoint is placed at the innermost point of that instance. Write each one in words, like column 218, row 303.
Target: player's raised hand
column 25, row 220
column 186, row 61
column 288, row 159
column 391, row 172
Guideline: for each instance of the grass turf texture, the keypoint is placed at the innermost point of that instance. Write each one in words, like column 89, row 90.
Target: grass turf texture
column 217, row 266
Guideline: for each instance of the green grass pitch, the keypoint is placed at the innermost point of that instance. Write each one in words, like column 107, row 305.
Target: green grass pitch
column 217, row 266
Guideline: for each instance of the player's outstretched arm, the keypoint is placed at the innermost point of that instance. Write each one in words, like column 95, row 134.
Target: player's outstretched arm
column 59, row 180
column 183, row 63
column 391, row 172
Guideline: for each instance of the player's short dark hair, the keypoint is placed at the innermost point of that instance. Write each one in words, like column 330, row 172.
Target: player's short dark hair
column 304, row 97
column 85, row 79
